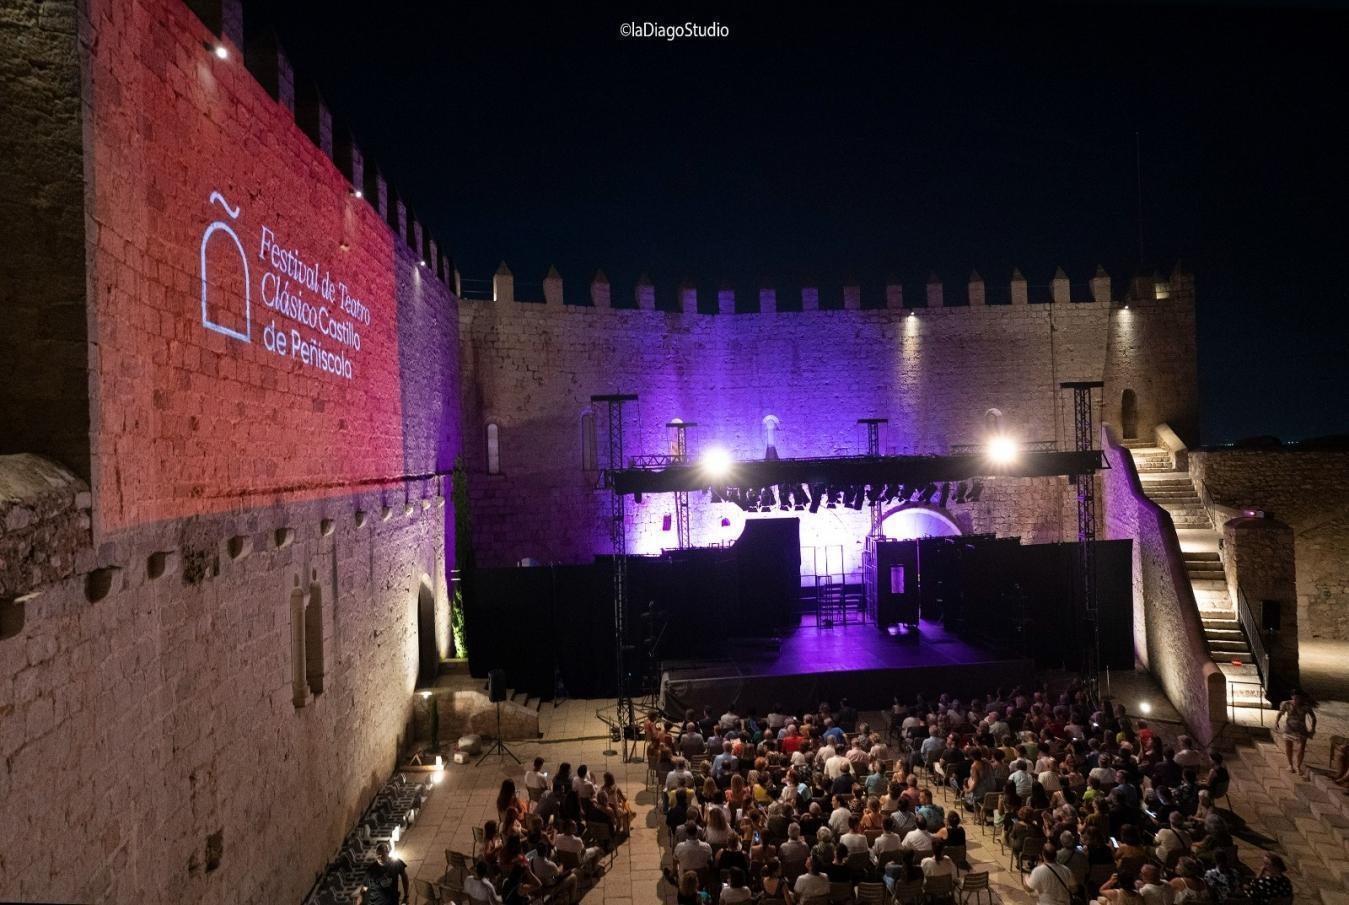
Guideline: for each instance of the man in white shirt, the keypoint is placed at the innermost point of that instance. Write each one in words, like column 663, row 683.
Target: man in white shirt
column 1172, row 837
column 834, row 765
column 1103, row 771
column 811, row 883
column 888, row 840
column 566, row 840
column 838, row 818
column 582, row 785
column 919, row 839
column 1050, row 881
column 478, row 888
column 776, row 719
column 536, row 780
column 729, row 720
column 1153, row 889
column 1021, row 778
column 680, row 771
column 793, row 850
column 853, row 840
column 1188, row 756
column 693, row 853
column 1049, row 776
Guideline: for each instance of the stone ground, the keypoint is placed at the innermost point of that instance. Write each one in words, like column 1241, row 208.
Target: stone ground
column 1306, row 821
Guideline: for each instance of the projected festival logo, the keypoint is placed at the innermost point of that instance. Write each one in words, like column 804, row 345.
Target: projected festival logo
column 309, row 317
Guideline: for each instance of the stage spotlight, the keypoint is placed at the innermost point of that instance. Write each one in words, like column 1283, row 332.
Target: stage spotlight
column 961, row 489
column 816, row 493
column 901, row 492
column 1144, row 708
column 945, row 493
column 1002, row 450
column 716, row 462
column 767, row 499
column 830, row 497
column 873, row 493
column 976, row 488
column 929, row 494
column 913, row 494
column 800, row 497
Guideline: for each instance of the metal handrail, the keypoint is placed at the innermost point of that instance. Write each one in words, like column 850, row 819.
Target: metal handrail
column 1254, row 638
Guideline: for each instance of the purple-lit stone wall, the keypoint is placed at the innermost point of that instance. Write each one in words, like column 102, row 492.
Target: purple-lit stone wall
column 531, row 369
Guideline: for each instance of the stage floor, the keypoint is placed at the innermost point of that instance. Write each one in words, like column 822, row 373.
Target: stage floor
column 845, row 648
column 853, row 660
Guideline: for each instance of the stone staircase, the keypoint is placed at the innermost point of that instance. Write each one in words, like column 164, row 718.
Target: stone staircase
column 1174, row 491
column 1306, row 821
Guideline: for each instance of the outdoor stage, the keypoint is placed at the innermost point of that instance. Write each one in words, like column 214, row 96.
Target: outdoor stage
column 823, row 664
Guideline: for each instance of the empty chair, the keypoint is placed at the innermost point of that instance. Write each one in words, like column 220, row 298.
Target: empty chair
column 976, row 883
column 939, row 888
column 840, row 893
column 479, row 838
column 908, row 891
column 959, row 856
column 870, row 893
column 426, row 893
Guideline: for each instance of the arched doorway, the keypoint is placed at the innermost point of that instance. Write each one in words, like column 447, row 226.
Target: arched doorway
column 428, row 656
column 1128, row 415
column 914, row 521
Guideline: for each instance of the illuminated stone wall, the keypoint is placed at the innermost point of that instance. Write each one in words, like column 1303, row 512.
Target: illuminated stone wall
column 933, row 371
column 1309, row 491
column 160, row 741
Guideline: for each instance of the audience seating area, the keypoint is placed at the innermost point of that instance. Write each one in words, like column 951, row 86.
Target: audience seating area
column 817, row 808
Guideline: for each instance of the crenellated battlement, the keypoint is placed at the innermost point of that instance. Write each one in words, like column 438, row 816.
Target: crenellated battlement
column 687, row 297
column 266, row 60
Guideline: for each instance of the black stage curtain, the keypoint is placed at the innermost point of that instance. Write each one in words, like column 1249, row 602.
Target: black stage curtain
column 545, row 623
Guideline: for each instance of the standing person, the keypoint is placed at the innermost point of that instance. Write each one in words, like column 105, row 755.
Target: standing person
column 1298, row 714
column 383, row 878
column 1050, row 881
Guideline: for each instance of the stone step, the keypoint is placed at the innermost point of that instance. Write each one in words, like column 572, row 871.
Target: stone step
column 1213, row 576
column 1223, row 634
column 1208, row 584
column 1201, row 556
column 1223, row 648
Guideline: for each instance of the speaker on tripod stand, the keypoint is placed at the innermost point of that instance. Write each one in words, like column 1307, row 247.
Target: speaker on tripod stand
column 496, row 693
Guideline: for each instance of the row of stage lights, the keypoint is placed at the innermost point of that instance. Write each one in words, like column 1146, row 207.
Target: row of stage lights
column 718, row 466
column 799, row 497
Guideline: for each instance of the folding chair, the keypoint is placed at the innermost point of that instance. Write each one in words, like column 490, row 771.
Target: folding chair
column 859, row 865
column 456, row 863
column 426, row 893
column 908, row 892
column 600, row 834
column 1030, row 850
column 976, row 883
column 938, row 888
column 957, row 853
column 869, row 893
column 840, row 893
column 479, row 838
column 984, row 814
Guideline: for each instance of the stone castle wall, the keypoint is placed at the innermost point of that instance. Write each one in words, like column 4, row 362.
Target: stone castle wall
column 214, row 606
column 1309, row 491
column 1168, row 633
column 530, row 369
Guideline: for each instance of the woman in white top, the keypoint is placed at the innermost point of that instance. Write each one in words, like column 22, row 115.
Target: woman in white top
column 938, row 865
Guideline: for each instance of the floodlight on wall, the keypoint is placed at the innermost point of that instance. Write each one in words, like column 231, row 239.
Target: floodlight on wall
column 716, row 462
column 1001, row 450
column 357, row 193
column 220, row 50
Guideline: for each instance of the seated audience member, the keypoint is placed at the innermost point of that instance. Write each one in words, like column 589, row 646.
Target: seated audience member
column 1153, row 889
column 937, row 864
column 919, row 840
column 811, row 884
column 478, row 887
column 888, row 840
column 853, row 840
column 1272, row 883
column 1050, row 882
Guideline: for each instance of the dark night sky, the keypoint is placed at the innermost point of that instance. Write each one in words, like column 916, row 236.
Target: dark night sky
column 903, row 140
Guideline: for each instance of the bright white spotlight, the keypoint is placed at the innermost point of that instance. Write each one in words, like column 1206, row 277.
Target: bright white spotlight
column 716, row 462
column 1144, row 708
column 1002, row 450
column 222, row 52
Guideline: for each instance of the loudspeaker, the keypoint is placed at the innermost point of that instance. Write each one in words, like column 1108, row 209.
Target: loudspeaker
column 496, row 685
column 1271, row 615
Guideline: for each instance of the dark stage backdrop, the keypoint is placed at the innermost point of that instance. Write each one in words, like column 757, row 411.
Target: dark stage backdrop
column 1025, row 599
column 541, row 623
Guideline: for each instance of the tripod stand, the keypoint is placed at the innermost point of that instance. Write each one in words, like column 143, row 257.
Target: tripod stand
column 498, row 746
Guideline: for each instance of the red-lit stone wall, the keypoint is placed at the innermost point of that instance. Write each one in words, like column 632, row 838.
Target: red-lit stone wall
column 243, row 300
